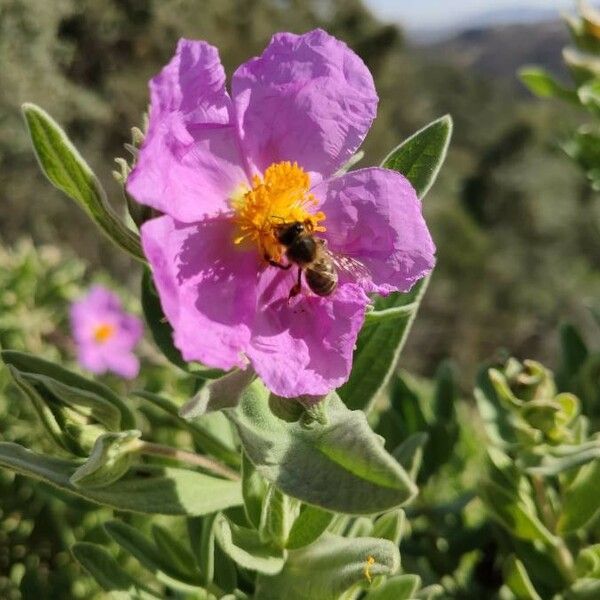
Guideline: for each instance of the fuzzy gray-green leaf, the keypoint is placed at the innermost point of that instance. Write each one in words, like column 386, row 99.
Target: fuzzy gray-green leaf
column 67, row 170
column 326, row 569
column 303, row 459
column 147, row 489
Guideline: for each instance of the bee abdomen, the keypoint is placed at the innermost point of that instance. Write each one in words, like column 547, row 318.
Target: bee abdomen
column 321, row 278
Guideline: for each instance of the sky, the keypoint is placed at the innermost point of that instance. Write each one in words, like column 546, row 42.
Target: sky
column 437, row 14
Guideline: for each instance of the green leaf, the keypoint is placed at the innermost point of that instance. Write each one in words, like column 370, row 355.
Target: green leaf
column 110, row 459
column 550, row 461
column 495, row 418
column 410, row 453
column 302, row 459
column 517, row 580
column 393, row 314
column 206, row 550
column 421, row 156
column 588, row 562
column 580, row 502
column 212, row 433
column 430, row 592
column 67, row 170
column 108, row 573
column 27, row 364
column 584, row 589
column 360, row 527
column 378, row 348
column 507, row 496
column 142, row 549
column 326, row 569
column 245, row 547
column 309, row 525
column 225, row 574
column 147, row 489
column 47, row 416
column 254, row 489
column 419, row 159
column 162, row 332
column 400, row 587
column 389, row 526
column 542, row 84
column 222, row 393
column 174, row 553
column 277, row 517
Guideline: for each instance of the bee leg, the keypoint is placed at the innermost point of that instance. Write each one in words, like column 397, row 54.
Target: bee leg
column 274, row 263
column 297, row 287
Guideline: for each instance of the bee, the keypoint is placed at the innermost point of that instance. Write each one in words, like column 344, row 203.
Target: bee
column 321, row 267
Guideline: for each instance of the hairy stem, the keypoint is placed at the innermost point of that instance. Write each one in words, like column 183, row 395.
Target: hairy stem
column 209, row 464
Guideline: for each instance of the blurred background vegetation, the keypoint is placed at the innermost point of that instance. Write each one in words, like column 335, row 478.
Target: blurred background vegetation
column 516, row 225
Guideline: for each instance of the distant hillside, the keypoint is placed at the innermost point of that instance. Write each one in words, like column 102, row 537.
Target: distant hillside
column 498, row 51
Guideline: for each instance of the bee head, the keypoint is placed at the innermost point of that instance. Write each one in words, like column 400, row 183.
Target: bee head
column 288, row 233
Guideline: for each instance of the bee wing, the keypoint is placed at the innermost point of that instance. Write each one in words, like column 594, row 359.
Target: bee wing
column 348, row 265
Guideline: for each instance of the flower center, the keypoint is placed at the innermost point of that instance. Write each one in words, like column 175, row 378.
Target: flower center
column 281, row 196
column 103, row 332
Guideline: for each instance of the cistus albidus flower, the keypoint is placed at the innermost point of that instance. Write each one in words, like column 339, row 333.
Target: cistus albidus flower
column 105, row 335
column 230, row 170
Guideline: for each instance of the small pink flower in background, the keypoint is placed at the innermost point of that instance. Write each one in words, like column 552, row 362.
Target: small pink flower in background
column 104, row 334
column 228, row 170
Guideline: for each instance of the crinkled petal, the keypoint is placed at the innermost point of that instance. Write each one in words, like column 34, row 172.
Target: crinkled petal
column 207, row 287
column 374, row 215
column 307, row 98
column 304, row 346
column 190, row 162
column 193, row 82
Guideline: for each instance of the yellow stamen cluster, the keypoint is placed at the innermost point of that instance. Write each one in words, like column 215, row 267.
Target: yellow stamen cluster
column 103, row 332
column 280, row 196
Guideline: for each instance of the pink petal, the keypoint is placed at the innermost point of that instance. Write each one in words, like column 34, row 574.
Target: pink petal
column 190, row 162
column 207, row 287
column 90, row 357
column 193, row 82
column 304, row 346
column 374, row 215
column 308, row 98
column 124, row 364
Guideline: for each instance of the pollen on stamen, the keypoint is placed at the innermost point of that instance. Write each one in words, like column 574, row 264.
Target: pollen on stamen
column 367, row 570
column 280, row 196
column 103, row 332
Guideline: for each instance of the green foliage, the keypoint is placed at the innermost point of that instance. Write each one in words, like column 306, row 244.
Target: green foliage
column 542, row 477
column 328, row 567
column 386, row 330
column 108, row 573
column 145, row 488
column 67, row 170
column 300, row 456
column 582, row 62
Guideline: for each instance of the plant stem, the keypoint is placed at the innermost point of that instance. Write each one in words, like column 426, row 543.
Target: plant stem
column 562, row 554
column 209, row 464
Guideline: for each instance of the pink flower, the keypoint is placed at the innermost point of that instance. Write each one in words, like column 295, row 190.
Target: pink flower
column 104, row 334
column 228, row 171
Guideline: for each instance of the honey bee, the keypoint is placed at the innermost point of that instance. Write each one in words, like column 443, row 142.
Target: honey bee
column 321, row 267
